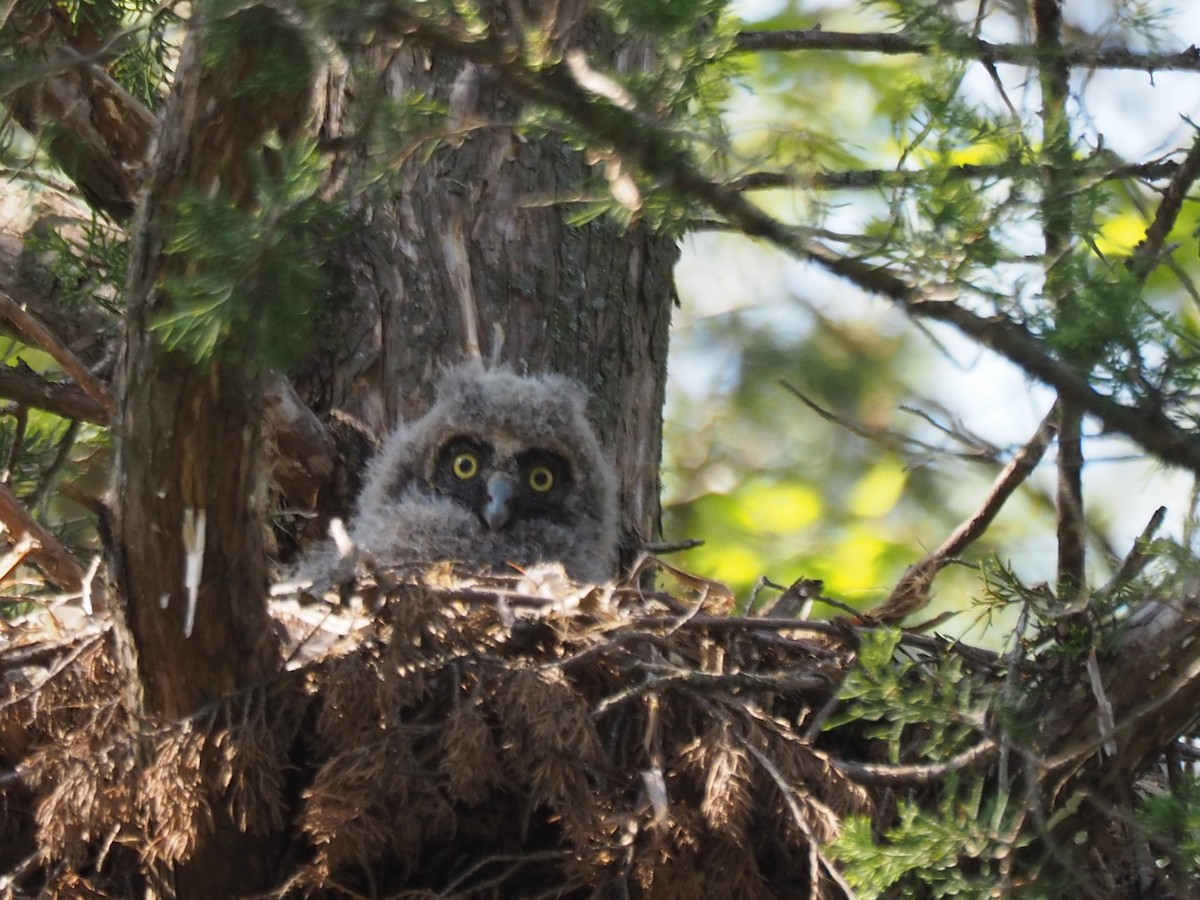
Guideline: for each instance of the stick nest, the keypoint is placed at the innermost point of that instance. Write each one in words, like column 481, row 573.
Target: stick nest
column 464, row 739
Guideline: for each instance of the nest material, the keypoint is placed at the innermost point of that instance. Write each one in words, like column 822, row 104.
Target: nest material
column 469, row 740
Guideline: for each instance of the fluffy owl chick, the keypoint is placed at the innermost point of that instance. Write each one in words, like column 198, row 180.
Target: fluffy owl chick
column 503, row 471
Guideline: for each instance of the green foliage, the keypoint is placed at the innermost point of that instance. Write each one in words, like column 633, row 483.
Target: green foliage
column 1173, row 816
column 925, row 709
column 958, row 849
column 87, row 260
column 143, row 62
column 899, row 694
column 245, row 279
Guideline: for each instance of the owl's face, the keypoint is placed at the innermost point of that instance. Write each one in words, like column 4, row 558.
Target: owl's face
column 503, row 471
column 502, row 484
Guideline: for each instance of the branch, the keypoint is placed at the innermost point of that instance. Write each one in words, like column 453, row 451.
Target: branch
column 1056, row 207
column 29, row 389
column 51, row 554
column 1146, row 426
column 1152, row 680
column 94, row 129
column 852, row 179
column 39, row 335
column 1147, row 253
column 912, row 591
column 890, row 440
column 918, row 774
column 966, row 48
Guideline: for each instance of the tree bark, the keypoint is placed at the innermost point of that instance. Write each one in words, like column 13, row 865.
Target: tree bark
column 189, row 531
column 472, row 256
column 93, row 129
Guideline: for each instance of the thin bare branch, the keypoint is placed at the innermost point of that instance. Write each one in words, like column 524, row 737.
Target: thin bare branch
column 852, row 179
column 1147, row 253
column 912, row 591
column 927, row 773
column 1088, row 57
column 1138, row 555
column 891, row 440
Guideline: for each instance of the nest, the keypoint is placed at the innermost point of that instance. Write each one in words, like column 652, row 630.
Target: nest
column 466, row 738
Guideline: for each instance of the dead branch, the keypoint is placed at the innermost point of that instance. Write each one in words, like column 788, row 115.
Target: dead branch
column 39, row 335
column 912, row 591
column 51, row 554
column 967, row 48
column 29, row 389
column 859, row 179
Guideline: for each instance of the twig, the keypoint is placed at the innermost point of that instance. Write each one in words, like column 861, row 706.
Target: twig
column 967, row 48
column 518, row 859
column 912, row 591
column 1147, row 253
column 39, row 335
column 657, row 548
column 20, row 423
column 1138, row 556
column 924, row 773
column 61, row 457
column 892, row 440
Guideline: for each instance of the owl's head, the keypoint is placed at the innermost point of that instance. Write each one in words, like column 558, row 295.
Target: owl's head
column 502, row 470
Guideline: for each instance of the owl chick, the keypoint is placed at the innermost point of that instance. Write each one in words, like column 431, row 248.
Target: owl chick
column 502, row 472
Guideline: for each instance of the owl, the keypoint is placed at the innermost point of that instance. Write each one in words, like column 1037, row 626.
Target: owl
column 501, row 473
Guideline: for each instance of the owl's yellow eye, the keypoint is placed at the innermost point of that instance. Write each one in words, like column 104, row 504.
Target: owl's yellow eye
column 465, row 466
column 540, row 479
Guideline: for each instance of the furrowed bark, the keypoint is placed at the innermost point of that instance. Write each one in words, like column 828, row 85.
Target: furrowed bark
column 190, row 481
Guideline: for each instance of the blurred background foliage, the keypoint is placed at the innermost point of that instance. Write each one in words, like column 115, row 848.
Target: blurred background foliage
column 907, row 425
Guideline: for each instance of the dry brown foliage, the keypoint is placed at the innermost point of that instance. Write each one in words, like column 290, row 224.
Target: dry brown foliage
column 471, row 740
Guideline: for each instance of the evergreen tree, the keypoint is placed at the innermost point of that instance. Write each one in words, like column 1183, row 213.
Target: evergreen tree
column 260, row 230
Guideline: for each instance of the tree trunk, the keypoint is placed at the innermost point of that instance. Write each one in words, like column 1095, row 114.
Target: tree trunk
column 189, row 550
column 472, row 256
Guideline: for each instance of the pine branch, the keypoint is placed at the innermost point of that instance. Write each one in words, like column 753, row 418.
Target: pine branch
column 964, row 47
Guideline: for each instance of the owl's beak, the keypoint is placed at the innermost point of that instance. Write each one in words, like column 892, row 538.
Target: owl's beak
column 501, row 491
